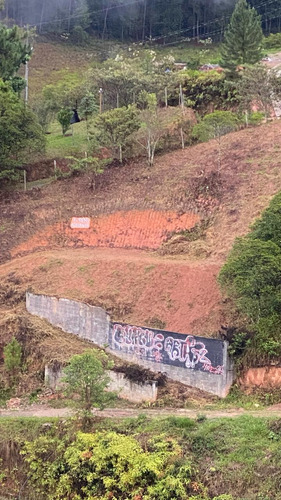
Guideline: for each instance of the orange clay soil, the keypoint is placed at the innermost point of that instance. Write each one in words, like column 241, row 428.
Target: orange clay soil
column 135, row 229
column 181, row 292
column 133, row 286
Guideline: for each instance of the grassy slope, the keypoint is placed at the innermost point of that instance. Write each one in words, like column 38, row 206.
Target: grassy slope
column 231, row 456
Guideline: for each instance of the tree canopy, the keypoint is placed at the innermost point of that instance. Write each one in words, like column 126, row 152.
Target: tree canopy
column 252, row 278
column 243, row 37
column 19, row 132
column 162, row 20
column 13, row 52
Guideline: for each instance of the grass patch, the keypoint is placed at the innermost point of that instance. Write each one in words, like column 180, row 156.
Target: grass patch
column 232, row 456
column 50, row 264
column 147, row 269
column 59, row 146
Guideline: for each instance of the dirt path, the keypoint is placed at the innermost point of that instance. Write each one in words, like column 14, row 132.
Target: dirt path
column 47, row 412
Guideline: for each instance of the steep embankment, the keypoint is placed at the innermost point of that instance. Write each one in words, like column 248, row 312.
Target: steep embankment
column 182, row 188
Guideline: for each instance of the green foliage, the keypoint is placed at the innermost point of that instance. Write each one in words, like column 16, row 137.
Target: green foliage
column 79, row 36
column 243, row 38
column 64, row 93
column 113, row 128
column 230, row 456
column 64, row 117
column 256, row 118
column 88, row 105
column 268, row 227
column 89, row 165
column 109, row 465
column 19, row 131
column 259, row 86
column 215, row 125
column 86, row 376
column 208, row 90
column 272, row 41
column 252, row 278
column 13, row 53
column 12, row 359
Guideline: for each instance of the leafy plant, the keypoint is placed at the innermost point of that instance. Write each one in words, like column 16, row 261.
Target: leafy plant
column 13, row 359
column 252, row 278
column 110, row 465
column 90, row 165
column 215, row 126
column 86, row 377
column 64, row 117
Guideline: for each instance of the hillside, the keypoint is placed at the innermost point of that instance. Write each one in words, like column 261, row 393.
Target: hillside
column 171, row 277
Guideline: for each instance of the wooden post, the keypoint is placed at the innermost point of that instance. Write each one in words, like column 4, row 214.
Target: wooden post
column 26, row 74
column 166, row 97
column 101, row 99
column 181, row 97
column 55, row 169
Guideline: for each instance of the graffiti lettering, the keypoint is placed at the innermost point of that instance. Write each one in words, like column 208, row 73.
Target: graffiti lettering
column 164, row 347
column 136, row 340
column 189, row 351
column 217, row 370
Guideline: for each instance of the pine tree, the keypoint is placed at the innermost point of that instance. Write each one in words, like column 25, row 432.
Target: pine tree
column 243, row 38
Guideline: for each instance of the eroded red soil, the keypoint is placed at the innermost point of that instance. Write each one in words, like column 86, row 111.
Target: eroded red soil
column 134, row 229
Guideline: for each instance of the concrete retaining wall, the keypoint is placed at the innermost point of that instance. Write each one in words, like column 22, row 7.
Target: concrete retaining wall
column 195, row 361
column 88, row 322
column 137, row 393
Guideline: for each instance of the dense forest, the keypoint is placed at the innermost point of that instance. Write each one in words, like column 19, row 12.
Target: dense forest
column 137, row 20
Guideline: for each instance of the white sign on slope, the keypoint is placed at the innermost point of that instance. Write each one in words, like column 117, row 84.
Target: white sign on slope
column 80, row 223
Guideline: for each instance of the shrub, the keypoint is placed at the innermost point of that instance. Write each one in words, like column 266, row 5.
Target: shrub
column 12, row 358
column 252, row 278
column 272, row 41
column 109, row 465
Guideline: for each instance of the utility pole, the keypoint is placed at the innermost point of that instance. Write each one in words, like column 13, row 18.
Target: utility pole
column 26, row 75
column 101, row 99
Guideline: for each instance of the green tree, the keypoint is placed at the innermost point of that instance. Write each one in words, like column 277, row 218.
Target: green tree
column 20, row 133
column 251, row 277
column 113, row 128
column 88, row 107
column 215, row 126
column 156, row 124
column 87, row 378
column 13, row 53
column 64, row 117
column 12, row 359
column 259, row 87
column 243, row 37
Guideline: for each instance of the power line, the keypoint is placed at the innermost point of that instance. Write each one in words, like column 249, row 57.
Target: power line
column 89, row 13
column 202, row 25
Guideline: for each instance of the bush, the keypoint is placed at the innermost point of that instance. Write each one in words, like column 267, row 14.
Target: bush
column 215, row 125
column 256, row 118
column 272, row 41
column 252, row 278
column 79, row 36
column 12, row 358
column 109, row 465
column 64, row 117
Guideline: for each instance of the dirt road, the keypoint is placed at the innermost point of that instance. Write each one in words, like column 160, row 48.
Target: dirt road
column 47, row 412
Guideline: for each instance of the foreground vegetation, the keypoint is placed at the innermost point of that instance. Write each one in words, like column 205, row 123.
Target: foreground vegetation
column 173, row 458
column 252, row 277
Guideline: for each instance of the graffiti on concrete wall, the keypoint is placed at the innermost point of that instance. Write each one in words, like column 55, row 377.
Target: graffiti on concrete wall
column 185, row 351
